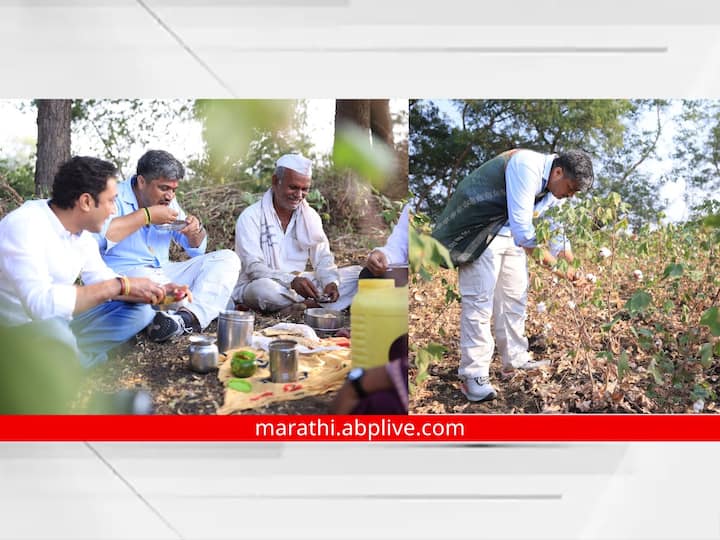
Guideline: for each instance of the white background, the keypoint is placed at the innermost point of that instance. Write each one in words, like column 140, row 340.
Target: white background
column 344, row 48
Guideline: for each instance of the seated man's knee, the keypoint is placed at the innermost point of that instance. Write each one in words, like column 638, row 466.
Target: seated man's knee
column 266, row 295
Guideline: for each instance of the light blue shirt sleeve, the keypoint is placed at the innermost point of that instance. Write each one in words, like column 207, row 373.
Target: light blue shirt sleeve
column 148, row 246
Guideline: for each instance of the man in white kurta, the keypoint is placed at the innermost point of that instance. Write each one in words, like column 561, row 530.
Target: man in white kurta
column 277, row 237
column 46, row 245
column 393, row 253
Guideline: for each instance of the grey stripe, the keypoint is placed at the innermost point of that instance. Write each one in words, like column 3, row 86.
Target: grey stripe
column 392, row 496
column 135, row 491
column 192, row 53
column 456, row 50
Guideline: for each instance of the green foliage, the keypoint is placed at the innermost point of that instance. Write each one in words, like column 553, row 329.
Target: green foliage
column 711, row 319
column 426, row 254
column 448, row 143
column 372, row 160
column 424, row 357
column 639, row 303
column 232, row 126
column 114, row 127
column 673, row 271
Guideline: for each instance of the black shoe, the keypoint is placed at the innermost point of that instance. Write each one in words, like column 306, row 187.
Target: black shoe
column 166, row 326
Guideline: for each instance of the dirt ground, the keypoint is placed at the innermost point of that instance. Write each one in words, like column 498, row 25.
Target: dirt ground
column 575, row 381
column 163, row 369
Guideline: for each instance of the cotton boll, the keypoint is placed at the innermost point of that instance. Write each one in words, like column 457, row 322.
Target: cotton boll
column 605, row 252
column 541, row 307
column 591, row 278
column 571, row 304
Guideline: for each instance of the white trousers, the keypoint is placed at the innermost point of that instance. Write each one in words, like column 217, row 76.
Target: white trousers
column 266, row 294
column 211, row 278
column 493, row 286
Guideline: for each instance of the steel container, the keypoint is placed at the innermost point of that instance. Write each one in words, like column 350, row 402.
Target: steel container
column 235, row 329
column 203, row 354
column 283, row 361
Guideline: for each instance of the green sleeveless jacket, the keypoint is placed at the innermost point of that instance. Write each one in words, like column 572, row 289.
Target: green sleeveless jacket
column 476, row 211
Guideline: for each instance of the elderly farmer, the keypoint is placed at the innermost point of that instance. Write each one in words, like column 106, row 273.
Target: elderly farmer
column 137, row 240
column 277, row 236
column 488, row 228
column 47, row 244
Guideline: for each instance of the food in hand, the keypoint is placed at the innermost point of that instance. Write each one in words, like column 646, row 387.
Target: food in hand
column 243, row 364
column 172, row 297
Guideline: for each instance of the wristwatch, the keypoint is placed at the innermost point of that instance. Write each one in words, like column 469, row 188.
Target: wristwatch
column 355, row 377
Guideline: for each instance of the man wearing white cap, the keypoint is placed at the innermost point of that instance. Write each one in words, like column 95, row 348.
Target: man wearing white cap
column 275, row 238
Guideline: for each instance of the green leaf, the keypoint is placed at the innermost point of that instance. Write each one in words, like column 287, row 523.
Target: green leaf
column 436, row 349
column 673, row 271
column 354, row 150
column 607, row 326
column 712, row 221
column 638, row 303
column 622, row 365
column 706, row 355
column 655, row 372
column 711, row 318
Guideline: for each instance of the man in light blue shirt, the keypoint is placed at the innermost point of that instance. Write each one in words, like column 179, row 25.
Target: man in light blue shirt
column 488, row 229
column 136, row 242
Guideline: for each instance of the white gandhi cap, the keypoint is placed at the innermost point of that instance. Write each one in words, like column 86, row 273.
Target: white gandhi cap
column 297, row 163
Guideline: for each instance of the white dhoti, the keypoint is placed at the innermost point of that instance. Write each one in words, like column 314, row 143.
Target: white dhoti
column 266, row 294
column 493, row 286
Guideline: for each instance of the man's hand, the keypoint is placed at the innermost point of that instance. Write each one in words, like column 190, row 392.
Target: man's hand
column 193, row 231
column 345, row 400
column 304, row 287
column 377, row 263
column 331, row 292
column 176, row 293
column 146, row 291
column 161, row 214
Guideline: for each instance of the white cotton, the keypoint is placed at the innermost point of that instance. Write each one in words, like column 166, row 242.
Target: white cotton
column 605, row 252
column 541, row 308
column 591, row 278
column 571, row 304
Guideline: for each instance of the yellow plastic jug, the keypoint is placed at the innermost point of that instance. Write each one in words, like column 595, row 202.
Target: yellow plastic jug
column 379, row 316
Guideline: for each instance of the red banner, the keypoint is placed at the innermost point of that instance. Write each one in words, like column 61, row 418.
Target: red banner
column 458, row 428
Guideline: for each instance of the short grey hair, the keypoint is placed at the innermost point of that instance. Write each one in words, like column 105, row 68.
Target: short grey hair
column 576, row 165
column 160, row 164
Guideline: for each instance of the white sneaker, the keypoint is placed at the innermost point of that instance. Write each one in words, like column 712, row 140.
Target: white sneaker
column 478, row 389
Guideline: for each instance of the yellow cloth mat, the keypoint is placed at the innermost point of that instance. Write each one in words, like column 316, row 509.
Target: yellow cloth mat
column 318, row 373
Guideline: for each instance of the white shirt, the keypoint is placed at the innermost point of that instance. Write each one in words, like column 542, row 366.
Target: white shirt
column 293, row 257
column 39, row 263
column 396, row 247
column 526, row 176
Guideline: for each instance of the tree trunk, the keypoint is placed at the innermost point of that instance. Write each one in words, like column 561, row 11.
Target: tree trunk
column 381, row 124
column 353, row 111
column 53, row 142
